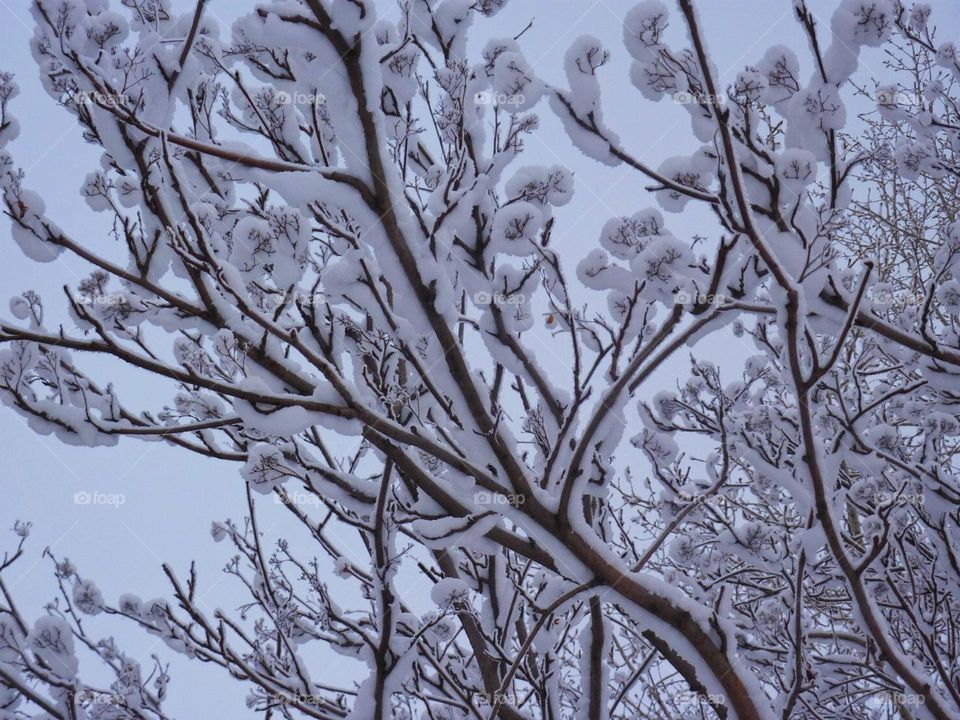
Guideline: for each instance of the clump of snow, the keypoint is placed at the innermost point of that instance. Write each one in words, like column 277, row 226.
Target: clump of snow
column 448, row 593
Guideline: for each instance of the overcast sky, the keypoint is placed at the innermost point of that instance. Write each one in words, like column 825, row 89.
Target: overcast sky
column 170, row 496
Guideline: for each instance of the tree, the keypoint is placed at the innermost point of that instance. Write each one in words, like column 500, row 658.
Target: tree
column 331, row 242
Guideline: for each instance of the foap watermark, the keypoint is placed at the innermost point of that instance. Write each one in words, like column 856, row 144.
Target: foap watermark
column 692, row 298
column 899, row 699
column 297, row 497
column 88, row 698
column 96, row 697
column 297, row 698
column 688, row 498
column 103, row 299
column 107, row 100
column 493, row 698
column 488, row 97
column 486, row 298
column 494, row 498
column 295, row 298
column 894, row 97
column 685, row 97
column 299, row 98
column 883, row 497
column 897, row 298
column 95, row 497
column 688, row 698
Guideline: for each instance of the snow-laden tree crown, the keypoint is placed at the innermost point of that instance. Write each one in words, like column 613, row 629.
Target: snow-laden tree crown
column 328, row 247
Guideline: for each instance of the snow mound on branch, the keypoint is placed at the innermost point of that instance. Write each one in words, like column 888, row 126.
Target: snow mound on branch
column 52, row 641
column 515, row 227
column 449, row 592
column 265, row 468
column 449, row 532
